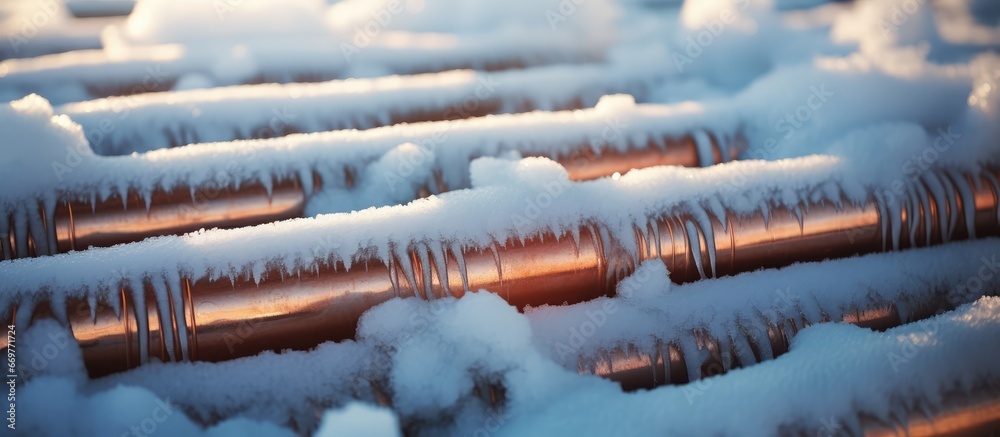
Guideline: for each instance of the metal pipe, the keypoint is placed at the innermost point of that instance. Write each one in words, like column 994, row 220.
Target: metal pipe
column 666, row 364
column 223, row 320
column 976, row 412
column 80, row 224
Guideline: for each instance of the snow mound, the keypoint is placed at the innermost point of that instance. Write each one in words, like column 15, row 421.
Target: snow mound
column 357, row 419
column 39, row 148
column 191, row 22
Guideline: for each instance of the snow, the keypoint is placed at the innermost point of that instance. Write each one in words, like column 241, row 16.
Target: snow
column 117, row 411
column 739, row 308
column 832, row 105
column 346, row 40
column 428, row 355
column 152, row 121
column 463, row 218
column 191, row 21
column 38, row 27
column 359, row 419
column 384, row 172
column 850, row 366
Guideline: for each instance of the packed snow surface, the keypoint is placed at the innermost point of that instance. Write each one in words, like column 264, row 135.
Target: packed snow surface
column 834, row 102
column 428, row 356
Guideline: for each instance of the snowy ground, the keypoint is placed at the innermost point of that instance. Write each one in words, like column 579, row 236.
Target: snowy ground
column 833, row 101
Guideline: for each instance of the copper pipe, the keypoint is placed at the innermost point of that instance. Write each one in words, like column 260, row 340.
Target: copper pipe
column 221, row 320
column 80, row 224
column 226, row 320
column 961, row 414
column 635, row 368
column 585, row 164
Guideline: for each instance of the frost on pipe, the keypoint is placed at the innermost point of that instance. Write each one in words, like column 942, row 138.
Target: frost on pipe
column 122, row 125
column 241, row 184
column 654, row 333
column 195, row 49
column 183, row 316
column 95, row 74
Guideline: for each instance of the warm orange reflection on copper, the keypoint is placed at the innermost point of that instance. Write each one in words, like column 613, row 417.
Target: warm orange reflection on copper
column 585, row 164
column 976, row 413
column 225, row 320
column 80, row 225
column 222, row 319
column 635, row 368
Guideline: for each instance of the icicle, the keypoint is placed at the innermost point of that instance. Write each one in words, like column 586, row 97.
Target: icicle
column 92, row 301
column 883, row 213
column 832, row 193
column 147, row 197
column 115, row 301
column 58, row 306
column 25, row 310
column 38, row 232
column 496, row 259
column 655, row 228
column 724, row 148
column 937, row 191
column 141, row 317
column 692, row 357
column 391, row 263
column 968, row 202
column 257, row 270
column 895, row 223
column 912, row 205
column 20, row 231
column 741, row 347
column 439, row 256
column 694, row 243
column 123, row 192
column 460, row 259
column 408, row 268
column 162, row 295
column 49, row 205
column 659, row 141
column 639, row 140
column 925, row 204
column 799, row 217
column 423, row 254
column 268, row 184
column 306, row 179
column 708, row 232
column 575, row 232
column 765, row 213
column 704, row 146
column 715, row 206
column 175, row 289
column 952, row 196
column 763, row 339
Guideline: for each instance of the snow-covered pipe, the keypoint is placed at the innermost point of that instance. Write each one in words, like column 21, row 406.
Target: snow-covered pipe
column 175, row 316
column 122, row 125
column 262, row 181
column 94, row 74
column 235, row 44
